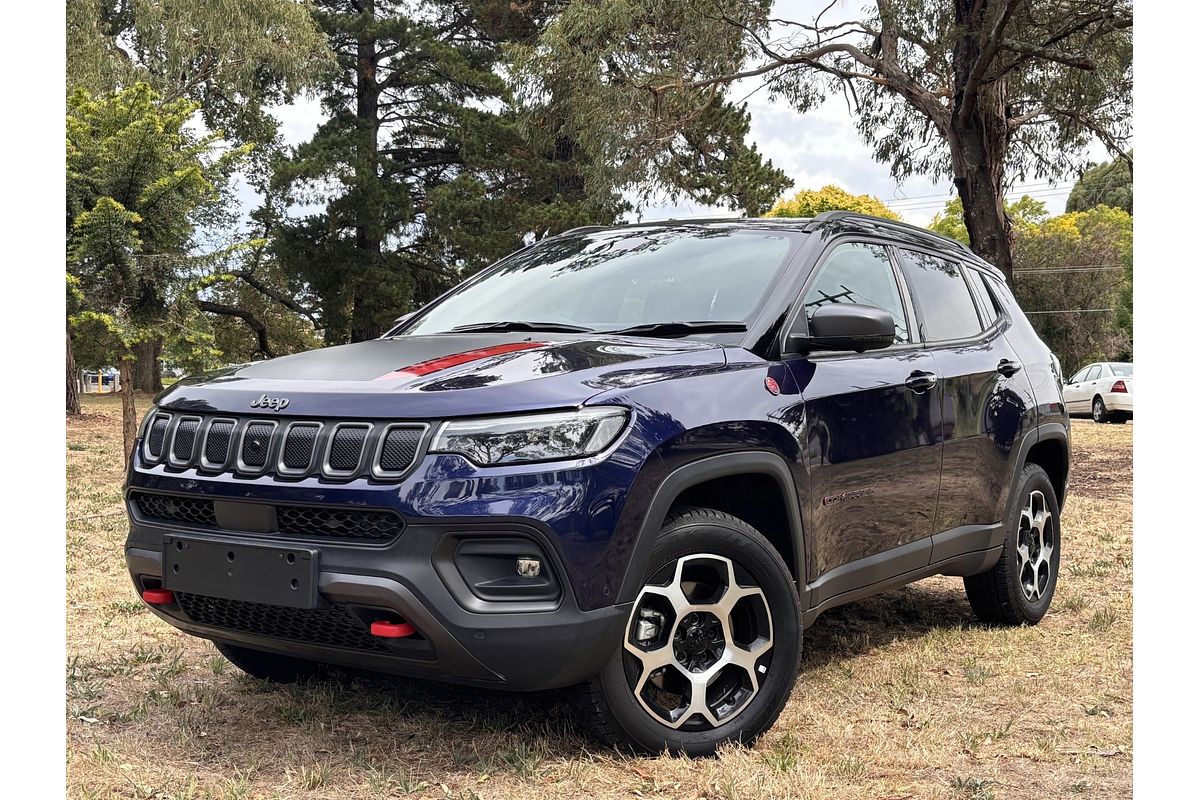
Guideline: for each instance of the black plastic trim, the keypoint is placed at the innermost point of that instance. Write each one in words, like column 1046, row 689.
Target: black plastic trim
column 751, row 462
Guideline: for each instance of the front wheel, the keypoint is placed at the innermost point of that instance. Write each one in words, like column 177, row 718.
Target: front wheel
column 712, row 645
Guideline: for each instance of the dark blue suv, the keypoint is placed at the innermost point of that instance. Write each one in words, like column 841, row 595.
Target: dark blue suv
column 637, row 461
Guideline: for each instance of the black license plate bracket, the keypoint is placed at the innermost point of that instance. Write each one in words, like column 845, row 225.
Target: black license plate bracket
column 250, row 572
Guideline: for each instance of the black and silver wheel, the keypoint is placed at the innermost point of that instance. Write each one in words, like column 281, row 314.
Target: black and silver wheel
column 1099, row 412
column 712, row 644
column 1018, row 589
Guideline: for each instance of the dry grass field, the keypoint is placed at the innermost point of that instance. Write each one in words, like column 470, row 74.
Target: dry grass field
column 901, row 696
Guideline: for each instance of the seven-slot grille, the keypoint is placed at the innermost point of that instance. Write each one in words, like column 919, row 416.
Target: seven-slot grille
column 333, row 450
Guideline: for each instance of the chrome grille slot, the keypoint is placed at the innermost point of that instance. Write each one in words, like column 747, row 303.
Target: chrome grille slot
column 183, row 443
column 217, row 441
column 346, row 449
column 156, row 436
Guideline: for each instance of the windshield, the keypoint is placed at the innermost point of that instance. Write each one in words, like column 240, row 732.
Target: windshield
column 1122, row 370
column 611, row 280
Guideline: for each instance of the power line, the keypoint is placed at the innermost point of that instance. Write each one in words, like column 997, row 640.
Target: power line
column 1072, row 311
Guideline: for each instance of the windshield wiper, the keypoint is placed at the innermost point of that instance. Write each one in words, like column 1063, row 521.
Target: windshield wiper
column 552, row 327
column 669, row 329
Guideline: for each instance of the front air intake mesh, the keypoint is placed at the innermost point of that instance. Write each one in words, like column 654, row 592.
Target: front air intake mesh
column 298, row 446
column 335, row 626
column 158, row 432
column 345, row 451
column 176, row 508
column 256, row 444
column 216, row 442
column 183, row 447
column 339, row 523
column 399, row 449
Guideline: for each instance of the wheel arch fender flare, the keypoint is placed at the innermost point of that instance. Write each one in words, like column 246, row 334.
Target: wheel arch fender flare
column 694, row 473
column 1045, row 432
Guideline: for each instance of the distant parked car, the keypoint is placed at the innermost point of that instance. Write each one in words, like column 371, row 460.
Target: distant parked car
column 1103, row 389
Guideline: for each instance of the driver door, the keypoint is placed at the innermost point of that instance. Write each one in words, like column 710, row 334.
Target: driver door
column 872, row 433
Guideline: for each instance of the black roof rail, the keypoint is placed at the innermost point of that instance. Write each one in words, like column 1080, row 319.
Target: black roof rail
column 830, row 216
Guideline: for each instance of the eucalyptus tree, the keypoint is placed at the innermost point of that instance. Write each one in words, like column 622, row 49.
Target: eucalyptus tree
column 980, row 91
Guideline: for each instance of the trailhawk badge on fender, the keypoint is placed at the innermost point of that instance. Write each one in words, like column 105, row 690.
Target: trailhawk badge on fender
column 273, row 403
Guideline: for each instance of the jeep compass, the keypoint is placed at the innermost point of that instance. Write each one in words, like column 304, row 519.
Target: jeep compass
column 636, row 461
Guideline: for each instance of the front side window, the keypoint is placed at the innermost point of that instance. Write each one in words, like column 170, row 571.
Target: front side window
column 610, row 280
column 940, row 288
column 859, row 273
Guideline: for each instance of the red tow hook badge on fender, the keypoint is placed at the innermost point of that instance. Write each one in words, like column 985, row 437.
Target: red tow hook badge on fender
column 772, row 385
column 158, row 597
column 391, row 630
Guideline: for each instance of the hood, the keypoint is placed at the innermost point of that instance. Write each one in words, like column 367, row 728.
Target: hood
column 443, row 375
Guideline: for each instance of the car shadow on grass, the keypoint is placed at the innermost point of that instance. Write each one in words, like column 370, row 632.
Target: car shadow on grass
column 480, row 729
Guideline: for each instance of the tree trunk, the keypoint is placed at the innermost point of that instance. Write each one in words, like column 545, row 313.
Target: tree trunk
column 73, row 406
column 366, row 320
column 147, row 371
column 978, row 139
column 128, row 412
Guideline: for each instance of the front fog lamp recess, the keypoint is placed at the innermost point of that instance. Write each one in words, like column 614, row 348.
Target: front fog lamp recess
column 533, row 437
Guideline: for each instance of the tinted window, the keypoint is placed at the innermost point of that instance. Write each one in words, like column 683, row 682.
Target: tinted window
column 947, row 310
column 986, row 303
column 617, row 279
column 858, row 273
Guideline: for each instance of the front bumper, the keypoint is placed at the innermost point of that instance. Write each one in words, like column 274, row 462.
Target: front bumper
column 515, row 645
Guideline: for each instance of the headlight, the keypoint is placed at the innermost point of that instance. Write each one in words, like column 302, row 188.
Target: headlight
column 532, row 437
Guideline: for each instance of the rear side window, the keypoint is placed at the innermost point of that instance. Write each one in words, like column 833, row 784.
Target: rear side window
column 859, row 273
column 987, row 304
column 943, row 299
column 1092, row 373
column 1080, row 376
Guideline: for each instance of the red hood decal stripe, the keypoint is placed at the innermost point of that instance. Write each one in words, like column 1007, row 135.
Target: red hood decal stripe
column 445, row 362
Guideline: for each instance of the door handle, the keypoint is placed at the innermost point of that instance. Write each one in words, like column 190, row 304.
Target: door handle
column 921, row 381
column 1008, row 368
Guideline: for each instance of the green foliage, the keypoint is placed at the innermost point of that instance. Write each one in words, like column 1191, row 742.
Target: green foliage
column 1109, row 184
column 424, row 171
column 136, row 176
column 233, row 57
column 1094, row 241
column 592, row 71
column 809, row 203
column 1023, row 212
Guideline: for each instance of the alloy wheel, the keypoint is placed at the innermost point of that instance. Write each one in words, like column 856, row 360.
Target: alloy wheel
column 1035, row 547
column 1097, row 411
column 699, row 642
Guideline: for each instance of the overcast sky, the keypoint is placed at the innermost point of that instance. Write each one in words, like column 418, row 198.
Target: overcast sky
column 813, row 149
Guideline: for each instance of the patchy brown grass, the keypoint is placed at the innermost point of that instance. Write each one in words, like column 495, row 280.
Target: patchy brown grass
column 901, row 696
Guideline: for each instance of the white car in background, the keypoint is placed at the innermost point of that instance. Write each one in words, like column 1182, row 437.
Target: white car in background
column 1103, row 389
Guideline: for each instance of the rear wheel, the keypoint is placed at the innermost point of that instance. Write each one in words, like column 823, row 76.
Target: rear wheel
column 711, row 647
column 1018, row 589
column 1099, row 412
column 269, row 666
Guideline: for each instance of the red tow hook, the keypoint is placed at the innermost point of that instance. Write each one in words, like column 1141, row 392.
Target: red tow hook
column 391, row 630
column 158, row 597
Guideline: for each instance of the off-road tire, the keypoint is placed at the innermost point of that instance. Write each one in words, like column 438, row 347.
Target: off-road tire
column 607, row 704
column 999, row 595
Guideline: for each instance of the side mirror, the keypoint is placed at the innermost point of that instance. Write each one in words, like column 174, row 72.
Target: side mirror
column 843, row 326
